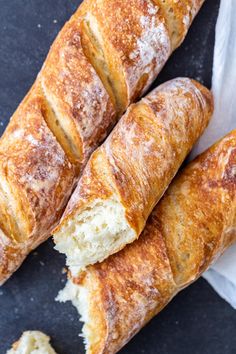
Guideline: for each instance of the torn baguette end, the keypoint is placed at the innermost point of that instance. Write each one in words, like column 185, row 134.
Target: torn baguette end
column 88, row 238
column 86, row 298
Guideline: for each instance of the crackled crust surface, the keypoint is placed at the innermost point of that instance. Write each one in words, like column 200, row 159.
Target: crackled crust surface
column 35, row 164
column 75, row 92
column 201, row 211
column 178, row 15
column 143, row 153
column 187, row 231
column 72, row 107
column 12, row 254
column 134, row 41
column 36, row 179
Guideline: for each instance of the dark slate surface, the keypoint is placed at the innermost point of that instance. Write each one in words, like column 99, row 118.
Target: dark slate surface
column 197, row 321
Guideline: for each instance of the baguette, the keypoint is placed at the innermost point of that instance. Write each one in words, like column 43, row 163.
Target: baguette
column 93, row 71
column 128, row 174
column 188, row 230
column 32, row 342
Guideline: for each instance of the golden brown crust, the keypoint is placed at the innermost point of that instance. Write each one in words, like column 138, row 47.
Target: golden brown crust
column 12, row 254
column 203, row 200
column 35, row 163
column 72, row 99
column 178, row 15
column 37, row 172
column 127, row 52
column 76, row 94
column 137, row 279
column 142, row 154
column 133, row 41
column 186, row 232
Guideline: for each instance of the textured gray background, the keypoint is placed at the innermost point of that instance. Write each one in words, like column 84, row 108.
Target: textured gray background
column 197, row 321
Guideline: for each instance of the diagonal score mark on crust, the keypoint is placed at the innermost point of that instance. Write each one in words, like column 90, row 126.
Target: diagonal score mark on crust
column 7, row 223
column 12, row 215
column 172, row 22
column 178, row 17
column 61, row 129
column 93, row 46
column 80, row 111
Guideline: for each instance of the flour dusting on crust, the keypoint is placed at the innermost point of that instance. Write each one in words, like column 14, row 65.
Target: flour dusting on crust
column 152, row 48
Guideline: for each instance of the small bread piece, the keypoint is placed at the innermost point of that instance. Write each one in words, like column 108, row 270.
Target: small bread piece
column 129, row 173
column 36, row 180
column 187, row 231
column 32, row 342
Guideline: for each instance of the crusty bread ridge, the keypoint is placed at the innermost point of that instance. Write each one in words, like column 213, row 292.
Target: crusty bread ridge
column 187, row 231
column 127, row 175
column 93, row 71
column 36, row 180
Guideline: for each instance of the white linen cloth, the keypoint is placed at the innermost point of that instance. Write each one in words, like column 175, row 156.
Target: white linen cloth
column 222, row 275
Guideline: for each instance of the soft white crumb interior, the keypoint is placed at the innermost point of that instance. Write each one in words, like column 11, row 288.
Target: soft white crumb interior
column 32, row 342
column 94, row 234
column 79, row 296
